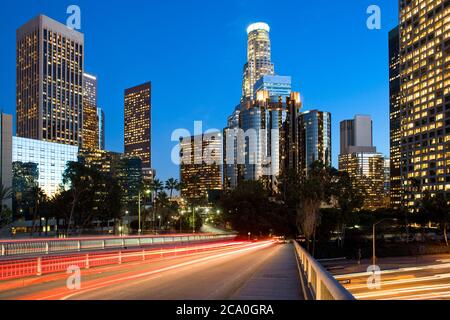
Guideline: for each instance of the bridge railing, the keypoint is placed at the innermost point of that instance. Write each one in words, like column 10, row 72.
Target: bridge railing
column 320, row 284
column 14, row 268
column 10, row 248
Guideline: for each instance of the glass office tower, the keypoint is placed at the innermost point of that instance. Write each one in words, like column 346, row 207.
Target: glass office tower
column 138, row 123
column 425, row 98
column 51, row 159
column 367, row 170
column 49, row 87
column 101, row 128
column 395, row 119
column 201, row 166
column 314, row 138
column 90, row 119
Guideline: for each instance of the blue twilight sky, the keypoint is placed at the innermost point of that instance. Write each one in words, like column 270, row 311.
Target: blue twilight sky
column 193, row 51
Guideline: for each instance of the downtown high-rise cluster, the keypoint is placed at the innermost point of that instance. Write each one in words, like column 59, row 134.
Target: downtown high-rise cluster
column 266, row 135
column 58, row 119
column 269, row 135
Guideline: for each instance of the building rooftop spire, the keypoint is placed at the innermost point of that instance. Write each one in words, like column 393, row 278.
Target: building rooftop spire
column 258, row 26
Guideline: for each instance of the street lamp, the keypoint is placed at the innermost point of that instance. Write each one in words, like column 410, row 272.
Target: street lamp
column 181, row 219
column 374, row 258
column 139, row 213
column 193, row 218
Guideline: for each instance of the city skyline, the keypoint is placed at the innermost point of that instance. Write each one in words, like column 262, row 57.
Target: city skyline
column 211, row 104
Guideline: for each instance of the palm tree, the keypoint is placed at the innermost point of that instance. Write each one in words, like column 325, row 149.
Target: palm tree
column 39, row 197
column 155, row 186
column 171, row 185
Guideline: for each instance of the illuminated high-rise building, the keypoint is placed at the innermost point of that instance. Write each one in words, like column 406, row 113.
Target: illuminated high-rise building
column 101, row 128
column 138, row 124
column 387, row 182
column 395, row 121
column 359, row 158
column 367, row 171
column 232, row 170
column 425, row 98
column 101, row 160
column 262, row 122
column 314, row 129
column 50, row 157
column 200, row 168
column 258, row 58
column 49, row 87
column 90, row 118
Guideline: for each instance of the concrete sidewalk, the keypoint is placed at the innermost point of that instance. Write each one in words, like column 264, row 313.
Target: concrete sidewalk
column 278, row 279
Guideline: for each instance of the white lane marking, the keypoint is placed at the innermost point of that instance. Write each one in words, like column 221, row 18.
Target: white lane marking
column 426, row 296
column 401, row 290
column 362, row 274
column 402, row 281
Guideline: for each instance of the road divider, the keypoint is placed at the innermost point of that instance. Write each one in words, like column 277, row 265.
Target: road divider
column 10, row 248
column 21, row 268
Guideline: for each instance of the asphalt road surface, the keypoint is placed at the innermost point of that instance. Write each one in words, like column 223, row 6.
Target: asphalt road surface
column 252, row 271
column 426, row 279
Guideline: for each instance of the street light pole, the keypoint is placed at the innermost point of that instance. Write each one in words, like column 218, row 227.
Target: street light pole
column 373, row 246
column 139, row 213
column 181, row 219
column 374, row 258
column 193, row 220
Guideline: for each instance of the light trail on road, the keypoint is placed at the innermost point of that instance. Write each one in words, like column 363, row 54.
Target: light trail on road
column 425, row 282
column 96, row 285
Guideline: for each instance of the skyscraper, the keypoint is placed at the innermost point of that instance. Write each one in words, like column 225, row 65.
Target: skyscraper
column 395, row 121
column 262, row 132
column 258, row 58
column 101, row 128
column 262, row 123
column 387, row 182
column 200, row 168
column 138, row 124
column 357, row 135
column 50, row 62
column 90, row 119
column 359, row 158
column 367, row 171
column 314, row 138
column 290, row 138
column 232, row 170
column 425, row 98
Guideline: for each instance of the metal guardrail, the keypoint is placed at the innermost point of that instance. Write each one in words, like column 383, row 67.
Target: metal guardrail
column 28, row 267
column 320, row 283
column 11, row 248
